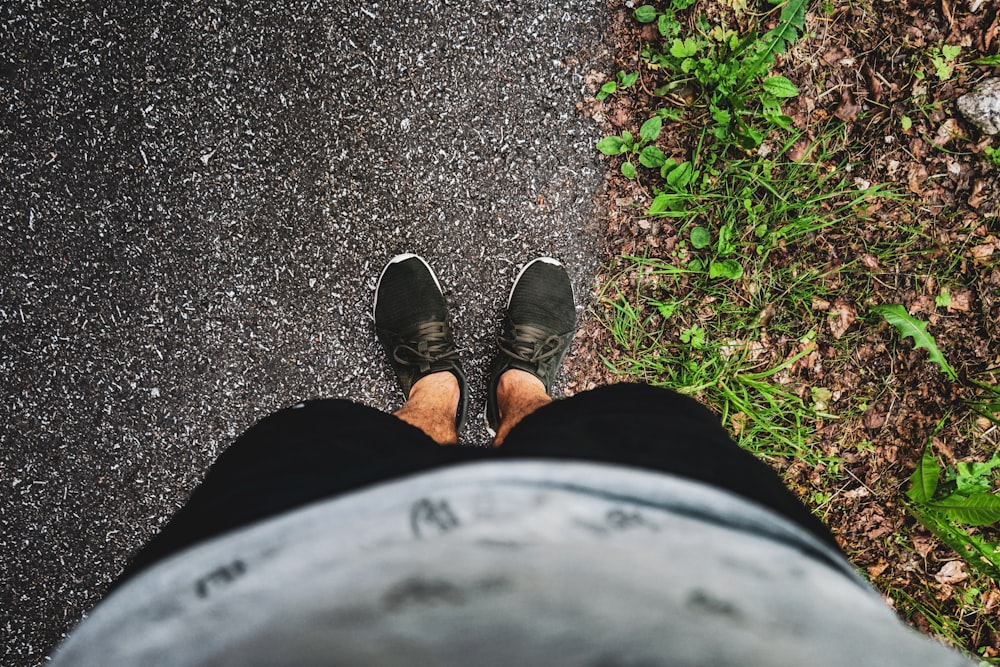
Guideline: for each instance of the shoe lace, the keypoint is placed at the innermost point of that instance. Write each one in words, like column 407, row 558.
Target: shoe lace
column 430, row 343
column 530, row 344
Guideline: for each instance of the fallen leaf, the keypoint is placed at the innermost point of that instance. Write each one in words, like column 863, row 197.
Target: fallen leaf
column 842, row 316
column 947, row 131
column 982, row 251
column 922, row 304
column 878, row 568
column 917, row 176
column 860, row 492
column 976, row 197
column 992, row 599
column 952, row 573
column 874, row 85
column 737, row 423
column 960, row 301
column 923, row 545
column 835, row 55
column 847, row 110
column 800, row 150
column 875, row 416
column 871, row 262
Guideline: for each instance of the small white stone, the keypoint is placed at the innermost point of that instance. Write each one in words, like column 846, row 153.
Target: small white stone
column 981, row 107
column 154, row 392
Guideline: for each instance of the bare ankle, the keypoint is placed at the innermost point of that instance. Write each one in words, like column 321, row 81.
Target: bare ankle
column 518, row 395
column 432, row 405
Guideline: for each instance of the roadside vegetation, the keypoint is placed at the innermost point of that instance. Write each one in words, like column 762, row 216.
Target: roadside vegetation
column 805, row 236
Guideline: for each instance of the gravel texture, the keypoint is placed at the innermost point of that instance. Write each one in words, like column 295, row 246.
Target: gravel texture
column 196, row 201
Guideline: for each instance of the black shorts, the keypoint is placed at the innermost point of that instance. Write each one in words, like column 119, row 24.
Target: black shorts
column 323, row 448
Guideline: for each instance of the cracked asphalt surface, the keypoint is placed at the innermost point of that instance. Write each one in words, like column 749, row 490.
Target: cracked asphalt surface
column 197, row 199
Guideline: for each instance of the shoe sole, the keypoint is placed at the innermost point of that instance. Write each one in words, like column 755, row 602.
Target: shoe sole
column 544, row 260
column 396, row 260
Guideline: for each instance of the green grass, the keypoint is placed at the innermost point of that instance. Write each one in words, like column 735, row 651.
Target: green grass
column 726, row 311
column 724, row 323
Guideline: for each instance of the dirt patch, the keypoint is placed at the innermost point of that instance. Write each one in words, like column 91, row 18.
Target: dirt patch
column 879, row 69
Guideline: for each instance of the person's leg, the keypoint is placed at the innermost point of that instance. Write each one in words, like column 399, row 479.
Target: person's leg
column 432, row 405
column 658, row 430
column 519, row 394
column 411, row 319
column 307, row 453
column 632, row 425
column 537, row 329
column 320, row 449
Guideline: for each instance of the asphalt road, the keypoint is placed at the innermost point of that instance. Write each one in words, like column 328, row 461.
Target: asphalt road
column 195, row 202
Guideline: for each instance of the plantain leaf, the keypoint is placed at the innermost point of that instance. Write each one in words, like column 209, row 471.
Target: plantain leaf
column 909, row 326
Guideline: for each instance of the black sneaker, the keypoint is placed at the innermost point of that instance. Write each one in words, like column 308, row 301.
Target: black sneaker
column 537, row 328
column 411, row 320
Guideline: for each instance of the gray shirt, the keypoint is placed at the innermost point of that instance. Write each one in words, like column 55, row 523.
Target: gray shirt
column 507, row 563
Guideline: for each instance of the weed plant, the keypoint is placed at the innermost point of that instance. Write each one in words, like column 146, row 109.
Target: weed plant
column 726, row 311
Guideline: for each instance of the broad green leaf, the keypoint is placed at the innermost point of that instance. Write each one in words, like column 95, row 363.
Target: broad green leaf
column 907, row 325
column 682, row 4
column 779, row 86
column 607, row 89
column 611, row 145
column 684, row 48
column 645, row 14
column 668, row 204
column 652, row 157
column 981, row 509
column 668, row 165
column 924, row 480
column 628, row 170
column 727, row 268
column 650, row 130
column 659, row 204
column 700, row 238
column 992, row 61
column 667, row 25
column 628, row 80
column 681, row 175
column 974, row 477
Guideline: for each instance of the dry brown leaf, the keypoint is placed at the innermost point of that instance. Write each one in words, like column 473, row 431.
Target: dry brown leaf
column 874, row 85
column 961, row 300
column 835, row 55
column 875, row 416
column 991, row 600
column 923, row 545
column 916, row 177
column 922, row 304
column 847, row 110
column 843, row 315
column 947, row 131
column 878, row 568
column 737, row 423
column 871, row 262
column 991, row 33
column 982, row 251
column 977, row 197
column 952, row 573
